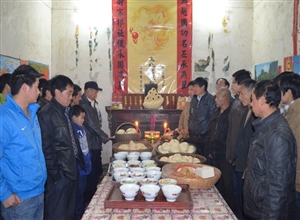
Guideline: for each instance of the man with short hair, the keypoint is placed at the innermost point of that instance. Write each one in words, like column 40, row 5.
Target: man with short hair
column 22, row 171
column 240, row 152
column 46, row 95
column 269, row 185
column 95, row 136
column 4, row 86
column 202, row 105
column 290, row 98
column 223, row 83
column 218, row 128
column 62, row 151
column 236, row 112
column 76, row 96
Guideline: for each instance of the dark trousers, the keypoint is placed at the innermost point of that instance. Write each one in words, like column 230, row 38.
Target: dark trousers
column 225, row 183
column 297, row 205
column 200, row 144
column 79, row 197
column 93, row 178
column 238, row 184
column 60, row 199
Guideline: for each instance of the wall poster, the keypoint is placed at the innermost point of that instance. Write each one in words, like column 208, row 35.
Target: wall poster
column 266, row 71
column 152, row 44
column 8, row 64
column 41, row 68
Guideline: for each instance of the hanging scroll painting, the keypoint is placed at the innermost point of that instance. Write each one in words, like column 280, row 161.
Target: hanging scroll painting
column 152, row 44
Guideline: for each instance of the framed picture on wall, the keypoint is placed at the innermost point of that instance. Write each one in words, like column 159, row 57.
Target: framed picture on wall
column 8, row 64
column 41, row 68
column 266, row 70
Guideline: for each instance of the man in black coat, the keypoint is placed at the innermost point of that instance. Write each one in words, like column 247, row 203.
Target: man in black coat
column 218, row 129
column 240, row 152
column 95, row 136
column 269, row 187
column 62, row 151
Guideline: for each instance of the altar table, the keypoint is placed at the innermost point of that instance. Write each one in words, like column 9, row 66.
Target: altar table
column 207, row 204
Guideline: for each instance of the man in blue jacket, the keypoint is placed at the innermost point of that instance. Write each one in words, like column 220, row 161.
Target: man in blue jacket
column 22, row 164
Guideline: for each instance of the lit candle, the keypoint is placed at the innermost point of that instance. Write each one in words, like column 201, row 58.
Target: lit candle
column 165, row 126
column 136, row 126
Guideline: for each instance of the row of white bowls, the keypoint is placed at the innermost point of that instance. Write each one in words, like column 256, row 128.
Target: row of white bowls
column 132, row 155
column 150, row 191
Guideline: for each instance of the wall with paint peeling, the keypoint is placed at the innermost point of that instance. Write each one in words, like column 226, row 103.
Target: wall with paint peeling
column 81, row 49
column 272, row 31
column 222, row 32
column 26, row 30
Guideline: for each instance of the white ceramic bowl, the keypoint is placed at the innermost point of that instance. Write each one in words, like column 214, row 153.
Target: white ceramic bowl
column 119, row 162
column 145, row 165
column 153, row 168
column 148, row 161
column 132, row 157
column 145, row 155
column 171, row 192
column 154, row 174
column 150, row 191
column 167, row 181
column 134, row 153
column 138, row 175
column 122, row 169
column 133, row 163
column 136, row 169
column 123, row 152
column 128, row 180
column 119, row 156
column 119, row 175
column 129, row 191
column 148, row 181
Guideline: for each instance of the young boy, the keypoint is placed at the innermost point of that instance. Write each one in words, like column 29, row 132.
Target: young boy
column 78, row 115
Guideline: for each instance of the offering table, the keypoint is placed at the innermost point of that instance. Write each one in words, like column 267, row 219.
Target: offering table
column 207, row 204
column 143, row 116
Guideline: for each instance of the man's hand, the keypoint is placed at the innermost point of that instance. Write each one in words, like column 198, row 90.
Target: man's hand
column 12, row 200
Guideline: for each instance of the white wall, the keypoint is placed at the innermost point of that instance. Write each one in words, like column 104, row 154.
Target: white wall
column 272, row 31
column 26, row 30
column 87, row 14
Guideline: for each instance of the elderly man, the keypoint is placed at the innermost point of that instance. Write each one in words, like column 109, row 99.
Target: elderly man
column 218, row 129
column 269, row 187
column 95, row 136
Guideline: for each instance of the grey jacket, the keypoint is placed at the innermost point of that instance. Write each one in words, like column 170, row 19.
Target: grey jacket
column 95, row 135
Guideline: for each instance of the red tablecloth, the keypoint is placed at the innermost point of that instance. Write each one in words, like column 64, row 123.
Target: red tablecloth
column 208, row 204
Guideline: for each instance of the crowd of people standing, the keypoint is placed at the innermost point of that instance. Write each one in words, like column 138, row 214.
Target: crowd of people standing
column 50, row 152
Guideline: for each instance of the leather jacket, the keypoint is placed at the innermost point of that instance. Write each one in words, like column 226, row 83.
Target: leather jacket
column 95, row 135
column 200, row 115
column 57, row 143
column 269, row 187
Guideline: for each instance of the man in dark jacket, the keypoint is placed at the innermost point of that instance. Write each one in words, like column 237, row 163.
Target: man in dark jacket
column 61, row 150
column 241, row 149
column 236, row 113
column 202, row 105
column 269, row 188
column 218, row 128
column 95, row 136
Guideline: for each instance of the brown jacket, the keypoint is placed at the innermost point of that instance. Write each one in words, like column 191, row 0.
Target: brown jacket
column 184, row 117
column 293, row 118
column 235, row 117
